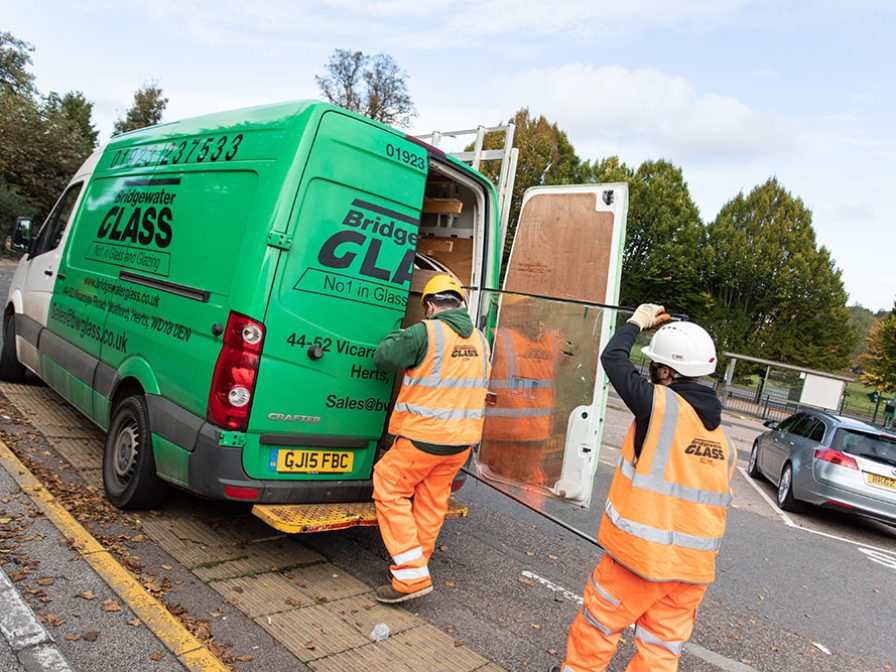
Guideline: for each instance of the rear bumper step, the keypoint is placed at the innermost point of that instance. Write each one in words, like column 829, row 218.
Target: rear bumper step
column 304, row 518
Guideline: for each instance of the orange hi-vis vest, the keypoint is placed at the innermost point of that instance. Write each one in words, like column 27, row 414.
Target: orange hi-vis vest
column 442, row 399
column 665, row 515
column 523, row 381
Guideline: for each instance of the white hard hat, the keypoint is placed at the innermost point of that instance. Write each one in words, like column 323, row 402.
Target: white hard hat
column 685, row 347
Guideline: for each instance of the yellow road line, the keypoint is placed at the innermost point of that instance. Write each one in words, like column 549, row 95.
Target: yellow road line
column 194, row 655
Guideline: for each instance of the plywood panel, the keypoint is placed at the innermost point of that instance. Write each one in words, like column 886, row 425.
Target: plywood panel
column 562, row 248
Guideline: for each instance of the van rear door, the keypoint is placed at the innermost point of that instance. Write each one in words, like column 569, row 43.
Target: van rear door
column 548, row 391
column 320, row 403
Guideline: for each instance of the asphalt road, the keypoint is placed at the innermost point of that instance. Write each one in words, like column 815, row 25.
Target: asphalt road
column 812, row 592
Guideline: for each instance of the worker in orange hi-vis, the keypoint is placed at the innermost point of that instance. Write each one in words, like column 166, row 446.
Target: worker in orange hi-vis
column 664, row 517
column 519, row 420
column 437, row 418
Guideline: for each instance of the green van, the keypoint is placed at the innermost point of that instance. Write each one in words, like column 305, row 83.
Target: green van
column 210, row 292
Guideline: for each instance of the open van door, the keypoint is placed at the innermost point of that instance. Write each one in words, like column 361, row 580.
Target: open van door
column 547, row 394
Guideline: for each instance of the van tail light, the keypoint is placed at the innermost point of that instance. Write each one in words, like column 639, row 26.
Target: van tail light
column 836, row 457
column 233, row 382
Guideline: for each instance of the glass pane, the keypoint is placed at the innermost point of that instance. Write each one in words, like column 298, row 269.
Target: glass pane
column 545, row 358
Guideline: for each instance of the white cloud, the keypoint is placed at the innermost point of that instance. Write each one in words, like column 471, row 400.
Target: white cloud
column 649, row 107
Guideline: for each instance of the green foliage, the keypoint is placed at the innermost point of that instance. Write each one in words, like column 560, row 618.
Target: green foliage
column 369, row 85
column 772, row 292
column 43, row 140
column 880, row 360
column 74, row 109
column 15, row 57
column 665, row 242
column 861, row 320
column 147, row 109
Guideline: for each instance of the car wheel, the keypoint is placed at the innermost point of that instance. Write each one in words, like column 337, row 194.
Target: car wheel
column 786, row 500
column 129, row 468
column 753, row 466
column 11, row 370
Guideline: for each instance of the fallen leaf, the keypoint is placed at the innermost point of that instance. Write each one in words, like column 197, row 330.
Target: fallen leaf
column 530, row 553
column 525, row 581
column 458, row 642
column 167, row 567
column 135, row 622
column 157, row 656
column 111, row 605
column 243, row 659
column 535, row 626
column 310, row 646
column 91, row 636
column 552, row 557
column 54, row 619
column 73, row 637
column 87, row 595
column 450, row 584
column 46, row 581
column 443, row 548
column 553, row 652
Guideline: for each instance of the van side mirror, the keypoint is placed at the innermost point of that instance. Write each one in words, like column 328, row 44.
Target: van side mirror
column 20, row 238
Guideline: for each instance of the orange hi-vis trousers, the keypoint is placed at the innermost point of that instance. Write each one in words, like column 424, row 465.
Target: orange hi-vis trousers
column 410, row 530
column 615, row 598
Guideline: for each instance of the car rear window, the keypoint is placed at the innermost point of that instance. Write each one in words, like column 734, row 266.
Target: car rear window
column 873, row 446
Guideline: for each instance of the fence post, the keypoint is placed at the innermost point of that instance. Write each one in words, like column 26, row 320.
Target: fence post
column 876, row 408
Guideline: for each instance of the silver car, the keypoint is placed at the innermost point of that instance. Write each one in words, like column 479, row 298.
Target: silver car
column 829, row 461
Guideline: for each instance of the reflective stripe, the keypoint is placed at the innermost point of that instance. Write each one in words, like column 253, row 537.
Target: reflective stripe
column 649, row 638
column 591, row 620
column 412, row 573
column 439, row 348
column 510, row 360
column 663, row 487
column 658, row 536
column 667, row 433
column 432, row 381
column 518, row 412
column 408, row 556
column 732, row 454
column 504, row 384
column 567, row 668
column 603, row 592
column 485, row 357
column 441, row 413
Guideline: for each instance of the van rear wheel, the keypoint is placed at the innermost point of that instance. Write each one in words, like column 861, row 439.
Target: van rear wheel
column 11, row 370
column 129, row 468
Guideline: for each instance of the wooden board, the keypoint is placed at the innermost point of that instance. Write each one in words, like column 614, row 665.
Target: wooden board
column 562, row 249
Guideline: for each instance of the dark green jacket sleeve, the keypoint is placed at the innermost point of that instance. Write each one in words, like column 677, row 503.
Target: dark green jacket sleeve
column 401, row 349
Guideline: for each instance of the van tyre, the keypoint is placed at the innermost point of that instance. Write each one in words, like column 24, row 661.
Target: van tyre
column 753, row 465
column 129, row 467
column 11, row 370
column 786, row 500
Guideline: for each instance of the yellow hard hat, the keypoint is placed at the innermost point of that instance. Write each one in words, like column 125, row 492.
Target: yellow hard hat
column 442, row 283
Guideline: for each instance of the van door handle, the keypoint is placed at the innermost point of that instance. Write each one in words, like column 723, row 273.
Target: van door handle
column 48, row 272
column 61, row 276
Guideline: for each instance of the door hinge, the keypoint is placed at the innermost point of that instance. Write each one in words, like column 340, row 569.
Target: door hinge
column 279, row 240
column 233, row 439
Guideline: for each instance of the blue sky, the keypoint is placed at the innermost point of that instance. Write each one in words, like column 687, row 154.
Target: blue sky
column 732, row 91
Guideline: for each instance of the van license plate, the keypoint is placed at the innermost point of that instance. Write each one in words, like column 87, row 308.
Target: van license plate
column 314, row 461
column 876, row 479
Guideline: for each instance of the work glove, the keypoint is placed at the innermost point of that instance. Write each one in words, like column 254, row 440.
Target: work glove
column 649, row 315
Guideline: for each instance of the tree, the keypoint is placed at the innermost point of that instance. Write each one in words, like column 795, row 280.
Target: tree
column 861, row 320
column 43, row 140
column 15, row 57
column 665, row 243
column 546, row 156
column 149, row 104
column 73, row 108
column 369, row 85
column 880, row 360
column 772, row 292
